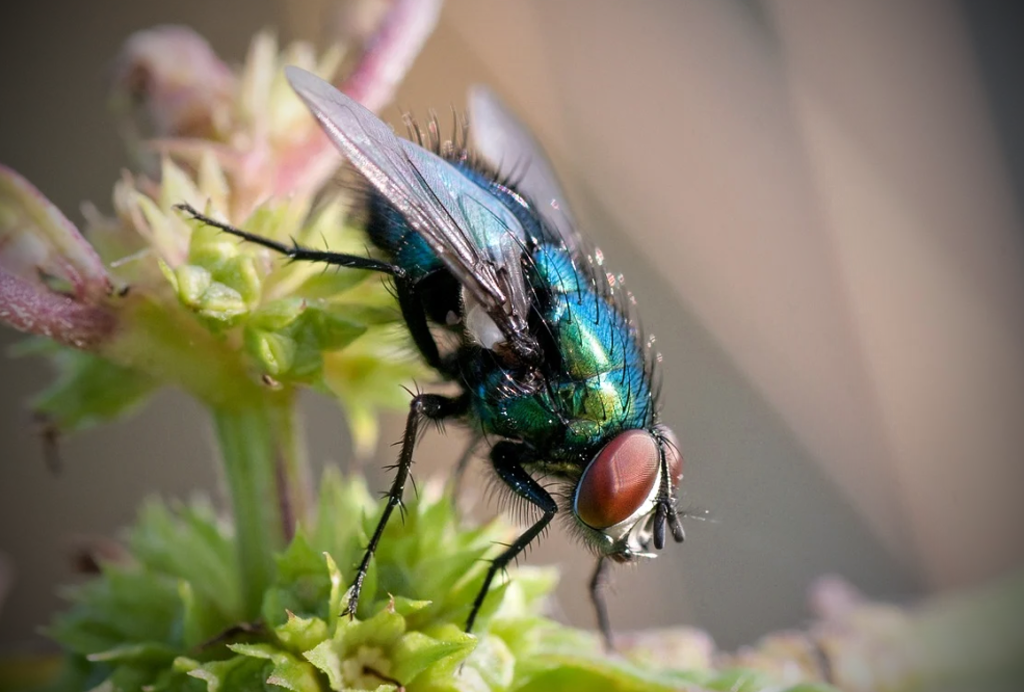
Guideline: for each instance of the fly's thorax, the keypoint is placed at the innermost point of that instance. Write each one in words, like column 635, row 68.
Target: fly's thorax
column 596, row 381
column 603, row 365
column 627, row 485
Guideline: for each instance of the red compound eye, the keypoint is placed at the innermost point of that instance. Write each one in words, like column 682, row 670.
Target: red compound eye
column 619, row 479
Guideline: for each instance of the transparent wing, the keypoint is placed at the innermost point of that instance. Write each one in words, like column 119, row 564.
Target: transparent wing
column 509, row 147
column 474, row 234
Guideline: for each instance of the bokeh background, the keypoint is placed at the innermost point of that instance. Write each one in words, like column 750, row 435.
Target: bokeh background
column 816, row 204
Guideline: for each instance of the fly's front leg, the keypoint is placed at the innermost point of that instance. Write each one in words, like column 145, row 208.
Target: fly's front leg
column 295, row 251
column 507, row 458
column 423, row 407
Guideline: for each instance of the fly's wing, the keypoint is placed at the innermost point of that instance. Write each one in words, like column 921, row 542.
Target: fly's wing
column 474, row 234
column 508, row 146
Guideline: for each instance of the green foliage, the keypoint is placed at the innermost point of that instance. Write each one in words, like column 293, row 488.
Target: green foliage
column 170, row 619
column 89, row 389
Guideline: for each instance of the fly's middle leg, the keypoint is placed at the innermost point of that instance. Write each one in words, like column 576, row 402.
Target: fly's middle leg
column 423, row 407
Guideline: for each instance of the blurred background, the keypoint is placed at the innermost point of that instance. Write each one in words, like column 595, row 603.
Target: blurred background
column 816, row 204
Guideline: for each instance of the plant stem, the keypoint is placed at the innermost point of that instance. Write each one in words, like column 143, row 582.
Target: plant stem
column 264, row 460
column 266, row 475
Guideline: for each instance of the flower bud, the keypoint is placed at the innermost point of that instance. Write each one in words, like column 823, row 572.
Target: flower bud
column 52, row 283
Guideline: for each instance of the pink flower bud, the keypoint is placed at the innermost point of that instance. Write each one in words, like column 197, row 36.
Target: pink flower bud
column 52, row 282
column 171, row 84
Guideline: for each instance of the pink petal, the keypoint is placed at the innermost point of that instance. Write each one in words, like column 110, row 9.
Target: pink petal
column 833, row 598
column 387, row 56
column 36, row 238
column 52, row 282
column 27, row 308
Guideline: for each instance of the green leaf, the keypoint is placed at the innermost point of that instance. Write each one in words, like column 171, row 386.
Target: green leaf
column 382, row 631
column 331, row 283
column 168, row 621
column 91, row 390
column 491, row 663
column 331, row 327
column 327, row 660
column 300, row 634
column 546, row 672
column 211, row 248
column 149, row 652
column 277, row 314
column 334, row 532
column 193, row 547
column 336, row 603
column 288, row 671
column 201, row 620
column 416, row 652
column 738, row 680
column 233, row 675
column 302, row 585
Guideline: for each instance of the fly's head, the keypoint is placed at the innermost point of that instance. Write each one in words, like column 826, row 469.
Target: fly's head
column 627, row 494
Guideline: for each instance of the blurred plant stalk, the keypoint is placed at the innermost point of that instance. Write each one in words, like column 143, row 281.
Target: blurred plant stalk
column 970, row 641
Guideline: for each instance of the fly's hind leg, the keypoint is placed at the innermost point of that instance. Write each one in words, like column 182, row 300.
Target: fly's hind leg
column 295, row 251
column 423, row 407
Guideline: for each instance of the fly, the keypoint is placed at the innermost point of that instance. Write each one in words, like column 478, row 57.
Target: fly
column 551, row 370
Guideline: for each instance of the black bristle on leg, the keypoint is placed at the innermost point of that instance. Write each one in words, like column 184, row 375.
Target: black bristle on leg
column 423, row 407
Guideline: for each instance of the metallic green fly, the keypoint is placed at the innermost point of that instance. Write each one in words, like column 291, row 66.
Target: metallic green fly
column 552, row 371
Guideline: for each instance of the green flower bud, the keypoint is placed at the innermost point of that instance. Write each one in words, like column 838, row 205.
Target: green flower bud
column 331, row 326
column 211, row 248
column 222, row 303
column 239, row 272
column 274, row 352
column 192, row 282
column 277, row 314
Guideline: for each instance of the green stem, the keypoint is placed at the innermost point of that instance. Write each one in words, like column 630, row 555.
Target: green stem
column 264, row 461
column 265, row 471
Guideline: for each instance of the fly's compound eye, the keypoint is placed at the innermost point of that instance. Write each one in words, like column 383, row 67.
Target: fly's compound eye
column 619, row 480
